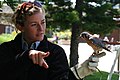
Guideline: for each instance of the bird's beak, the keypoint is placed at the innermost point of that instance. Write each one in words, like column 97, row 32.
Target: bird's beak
column 80, row 36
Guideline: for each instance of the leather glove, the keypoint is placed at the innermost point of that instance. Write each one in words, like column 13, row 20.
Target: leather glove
column 93, row 62
column 87, row 67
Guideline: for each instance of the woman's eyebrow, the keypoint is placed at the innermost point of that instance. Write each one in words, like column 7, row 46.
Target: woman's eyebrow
column 35, row 21
column 43, row 20
column 32, row 22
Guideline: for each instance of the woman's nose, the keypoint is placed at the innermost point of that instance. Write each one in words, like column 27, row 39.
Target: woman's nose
column 40, row 27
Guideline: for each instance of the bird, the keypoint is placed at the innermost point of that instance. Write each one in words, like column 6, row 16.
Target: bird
column 95, row 42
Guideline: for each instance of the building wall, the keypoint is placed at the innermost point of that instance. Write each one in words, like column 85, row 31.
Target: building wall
column 6, row 29
column 115, row 34
column 2, row 28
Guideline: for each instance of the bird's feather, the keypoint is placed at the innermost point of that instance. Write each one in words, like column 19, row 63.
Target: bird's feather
column 99, row 43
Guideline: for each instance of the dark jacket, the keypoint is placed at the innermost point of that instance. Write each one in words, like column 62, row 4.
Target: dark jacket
column 16, row 65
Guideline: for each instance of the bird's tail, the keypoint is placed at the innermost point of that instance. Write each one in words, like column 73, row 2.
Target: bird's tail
column 107, row 49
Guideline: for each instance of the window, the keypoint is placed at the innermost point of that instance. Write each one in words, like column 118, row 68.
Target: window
column 8, row 29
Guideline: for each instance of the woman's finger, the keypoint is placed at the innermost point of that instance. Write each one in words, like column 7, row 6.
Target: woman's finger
column 37, row 58
column 45, row 65
column 40, row 59
column 33, row 59
column 45, row 54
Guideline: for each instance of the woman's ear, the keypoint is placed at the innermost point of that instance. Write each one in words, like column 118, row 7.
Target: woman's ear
column 19, row 27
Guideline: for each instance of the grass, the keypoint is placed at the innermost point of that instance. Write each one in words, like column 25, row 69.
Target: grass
column 103, row 76
column 6, row 37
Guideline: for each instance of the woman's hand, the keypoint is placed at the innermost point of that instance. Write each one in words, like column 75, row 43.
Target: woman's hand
column 38, row 57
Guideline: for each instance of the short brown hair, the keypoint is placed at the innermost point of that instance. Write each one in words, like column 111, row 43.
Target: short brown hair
column 26, row 8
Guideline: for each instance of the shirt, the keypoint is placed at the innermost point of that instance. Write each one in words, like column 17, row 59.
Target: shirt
column 25, row 45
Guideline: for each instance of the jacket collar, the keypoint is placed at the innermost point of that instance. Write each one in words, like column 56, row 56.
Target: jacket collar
column 43, row 44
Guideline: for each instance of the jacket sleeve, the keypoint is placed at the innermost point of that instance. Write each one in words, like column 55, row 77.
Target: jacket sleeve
column 12, row 64
column 58, row 64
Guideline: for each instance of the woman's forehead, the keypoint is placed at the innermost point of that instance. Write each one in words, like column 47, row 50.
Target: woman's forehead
column 35, row 17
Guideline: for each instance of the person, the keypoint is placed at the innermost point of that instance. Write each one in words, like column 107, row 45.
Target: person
column 30, row 56
column 55, row 39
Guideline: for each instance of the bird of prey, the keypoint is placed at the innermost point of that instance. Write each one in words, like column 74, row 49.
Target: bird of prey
column 95, row 42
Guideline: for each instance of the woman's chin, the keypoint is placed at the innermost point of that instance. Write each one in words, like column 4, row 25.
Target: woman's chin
column 41, row 38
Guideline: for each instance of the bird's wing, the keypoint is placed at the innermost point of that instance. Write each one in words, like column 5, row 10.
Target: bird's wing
column 99, row 43
column 90, row 43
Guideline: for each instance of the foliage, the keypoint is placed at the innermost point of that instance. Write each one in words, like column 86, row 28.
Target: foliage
column 58, row 14
column 98, row 18
column 64, row 34
column 115, row 1
column 97, row 76
column 12, row 3
column 7, row 37
column 1, row 4
column 61, row 35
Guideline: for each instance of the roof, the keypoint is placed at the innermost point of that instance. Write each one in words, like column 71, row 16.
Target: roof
column 6, row 14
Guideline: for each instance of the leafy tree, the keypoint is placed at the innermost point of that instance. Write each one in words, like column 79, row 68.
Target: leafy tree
column 12, row 3
column 58, row 14
column 115, row 1
column 0, row 4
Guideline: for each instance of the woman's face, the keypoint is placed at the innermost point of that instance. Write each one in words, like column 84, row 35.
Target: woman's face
column 34, row 27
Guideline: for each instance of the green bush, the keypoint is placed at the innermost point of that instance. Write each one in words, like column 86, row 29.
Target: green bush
column 6, row 37
column 64, row 35
column 99, row 76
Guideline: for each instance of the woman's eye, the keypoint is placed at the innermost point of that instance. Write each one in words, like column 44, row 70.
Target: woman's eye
column 43, row 23
column 34, row 24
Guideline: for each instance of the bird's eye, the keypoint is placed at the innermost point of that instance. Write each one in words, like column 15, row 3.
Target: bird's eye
column 87, row 36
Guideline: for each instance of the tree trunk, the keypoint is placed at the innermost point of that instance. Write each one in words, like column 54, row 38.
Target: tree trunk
column 0, row 4
column 74, row 45
column 20, row 1
column 76, row 29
